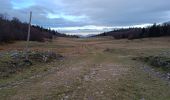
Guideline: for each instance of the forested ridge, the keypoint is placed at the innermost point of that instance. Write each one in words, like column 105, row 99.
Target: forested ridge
column 135, row 33
column 14, row 29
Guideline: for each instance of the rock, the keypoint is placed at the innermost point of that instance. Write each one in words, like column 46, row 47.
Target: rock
column 28, row 62
column 161, row 61
column 134, row 58
column 66, row 97
column 107, row 50
column 142, row 99
column 14, row 61
column 168, row 75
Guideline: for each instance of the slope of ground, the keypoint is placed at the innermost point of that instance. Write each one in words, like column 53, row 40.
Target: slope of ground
column 93, row 69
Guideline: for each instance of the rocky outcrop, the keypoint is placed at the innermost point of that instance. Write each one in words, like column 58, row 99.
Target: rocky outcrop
column 14, row 61
column 160, row 62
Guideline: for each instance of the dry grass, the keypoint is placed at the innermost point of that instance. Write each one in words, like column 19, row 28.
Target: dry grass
column 90, row 72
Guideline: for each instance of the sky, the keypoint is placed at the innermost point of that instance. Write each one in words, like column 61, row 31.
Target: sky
column 88, row 16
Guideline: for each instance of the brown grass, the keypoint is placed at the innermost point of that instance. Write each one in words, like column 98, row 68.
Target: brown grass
column 88, row 72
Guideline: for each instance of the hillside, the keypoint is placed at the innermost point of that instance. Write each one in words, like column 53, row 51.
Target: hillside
column 135, row 33
column 12, row 30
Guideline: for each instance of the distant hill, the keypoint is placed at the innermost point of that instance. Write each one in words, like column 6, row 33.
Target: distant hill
column 90, row 35
column 12, row 30
column 86, row 36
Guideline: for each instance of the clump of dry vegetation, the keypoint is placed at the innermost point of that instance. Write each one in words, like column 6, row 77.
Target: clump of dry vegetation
column 160, row 63
column 14, row 61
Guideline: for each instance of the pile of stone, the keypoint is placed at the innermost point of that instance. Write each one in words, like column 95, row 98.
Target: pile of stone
column 165, row 54
column 14, row 61
column 44, row 56
column 159, row 61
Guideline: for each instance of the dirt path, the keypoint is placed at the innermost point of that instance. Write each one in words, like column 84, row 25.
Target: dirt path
column 90, row 73
column 78, row 80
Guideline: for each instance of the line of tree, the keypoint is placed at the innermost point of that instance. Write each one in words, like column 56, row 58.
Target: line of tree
column 136, row 33
column 14, row 29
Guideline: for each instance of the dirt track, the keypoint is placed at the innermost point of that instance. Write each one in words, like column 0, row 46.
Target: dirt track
column 91, row 73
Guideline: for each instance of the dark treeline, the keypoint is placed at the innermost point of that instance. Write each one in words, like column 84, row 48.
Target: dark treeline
column 14, row 29
column 136, row 33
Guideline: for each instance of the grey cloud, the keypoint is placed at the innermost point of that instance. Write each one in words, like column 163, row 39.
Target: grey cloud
column 99, row 12
column 118, row 12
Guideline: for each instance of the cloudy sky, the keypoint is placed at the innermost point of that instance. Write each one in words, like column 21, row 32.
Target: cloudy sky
column 88, row 16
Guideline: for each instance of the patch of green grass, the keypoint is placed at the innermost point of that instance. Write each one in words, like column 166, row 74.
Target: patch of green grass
column 4, row 93
column 38, row 68
column 138, row 85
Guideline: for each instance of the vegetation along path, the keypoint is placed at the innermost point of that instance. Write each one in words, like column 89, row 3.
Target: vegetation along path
column 92, row 69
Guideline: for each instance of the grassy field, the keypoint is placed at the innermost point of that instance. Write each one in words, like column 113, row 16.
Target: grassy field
column 92, row 69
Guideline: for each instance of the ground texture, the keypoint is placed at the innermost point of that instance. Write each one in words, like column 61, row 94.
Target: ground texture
column 92, row 69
